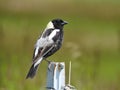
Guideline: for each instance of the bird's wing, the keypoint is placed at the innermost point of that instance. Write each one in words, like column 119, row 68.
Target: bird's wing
column 45, row 43
column 47, row 32
column 36, row 53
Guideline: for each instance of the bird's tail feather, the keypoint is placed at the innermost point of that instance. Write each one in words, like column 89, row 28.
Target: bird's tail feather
column 33, row 69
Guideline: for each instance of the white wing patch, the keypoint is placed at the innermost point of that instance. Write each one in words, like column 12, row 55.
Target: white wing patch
column 36, row 51
column 45, row 41
column 53, row 33
column 38, row 61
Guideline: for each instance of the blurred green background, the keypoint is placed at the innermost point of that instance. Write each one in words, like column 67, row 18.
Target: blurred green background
column 91, row 42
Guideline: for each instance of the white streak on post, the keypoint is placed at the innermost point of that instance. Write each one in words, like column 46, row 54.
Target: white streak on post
column 56, row 76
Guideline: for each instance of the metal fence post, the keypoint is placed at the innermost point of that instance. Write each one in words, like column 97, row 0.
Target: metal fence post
column 56, row 76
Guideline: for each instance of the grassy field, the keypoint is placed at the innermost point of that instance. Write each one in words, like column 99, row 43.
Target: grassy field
column 91, row 42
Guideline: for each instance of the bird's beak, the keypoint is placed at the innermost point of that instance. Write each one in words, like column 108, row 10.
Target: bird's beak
column 65, row 22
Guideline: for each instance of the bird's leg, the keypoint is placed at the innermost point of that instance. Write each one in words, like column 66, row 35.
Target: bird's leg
column 49, row 62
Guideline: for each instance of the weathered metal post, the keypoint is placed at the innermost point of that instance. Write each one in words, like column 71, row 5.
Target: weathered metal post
column 56, row 76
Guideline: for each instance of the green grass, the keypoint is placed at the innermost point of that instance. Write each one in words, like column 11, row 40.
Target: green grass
column 20, row 34
column 90, row 42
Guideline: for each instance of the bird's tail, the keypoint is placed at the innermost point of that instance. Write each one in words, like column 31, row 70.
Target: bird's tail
column 33, row 69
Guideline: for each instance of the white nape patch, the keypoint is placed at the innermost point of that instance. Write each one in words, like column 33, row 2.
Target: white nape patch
column 50, row 25
column 38, row 61
column 53, row 33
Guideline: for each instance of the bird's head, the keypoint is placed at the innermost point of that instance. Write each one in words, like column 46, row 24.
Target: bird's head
column 57, row 24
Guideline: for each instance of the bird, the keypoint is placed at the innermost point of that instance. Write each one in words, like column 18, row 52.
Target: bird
column 47, row 44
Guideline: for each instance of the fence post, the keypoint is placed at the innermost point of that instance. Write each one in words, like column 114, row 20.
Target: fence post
column 56, row 76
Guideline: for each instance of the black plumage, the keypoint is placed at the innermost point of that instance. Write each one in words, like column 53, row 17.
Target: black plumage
column 49, row 42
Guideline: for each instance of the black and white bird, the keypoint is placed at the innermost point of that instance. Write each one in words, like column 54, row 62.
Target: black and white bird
column 49, row 42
